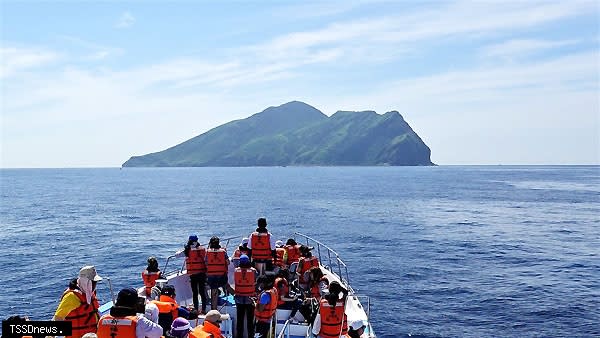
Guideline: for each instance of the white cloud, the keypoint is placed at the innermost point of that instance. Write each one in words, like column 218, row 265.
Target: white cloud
column 518, row 47
column 15, row 59
column 125, row 20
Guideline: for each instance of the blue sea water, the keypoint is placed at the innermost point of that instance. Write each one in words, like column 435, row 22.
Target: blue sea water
column 448, row 251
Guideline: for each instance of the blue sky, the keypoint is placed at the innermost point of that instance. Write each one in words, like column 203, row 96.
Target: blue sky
column 87, row 84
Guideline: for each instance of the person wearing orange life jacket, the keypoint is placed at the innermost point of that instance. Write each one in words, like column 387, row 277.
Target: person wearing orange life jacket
column 306, row 262
column 293, row 251
column 331, row 322
column 123, row 320
column 281, row 256
column 211, row 326
column 317, row 283
column 150, row 275
column 217, row 264
column 266, row 306
column 79, row 305
column 285, row 300
column 262, row 247
column 195, row 264
column 245, row 291
column 168, row 309
column 242, row 249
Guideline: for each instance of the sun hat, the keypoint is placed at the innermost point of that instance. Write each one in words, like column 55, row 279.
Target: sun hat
column 279, row 244
column 180, row 327
column 127, row 297
column 244, row 241
column 214, row 316
column 90, row 273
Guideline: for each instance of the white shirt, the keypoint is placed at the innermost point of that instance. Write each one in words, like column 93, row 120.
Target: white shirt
column 146, row 328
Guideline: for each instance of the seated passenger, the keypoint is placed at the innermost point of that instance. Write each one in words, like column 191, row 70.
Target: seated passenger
column 123, row 320
column 317, row 283
column 168, row 309
column 242, row 249
column 306, row 262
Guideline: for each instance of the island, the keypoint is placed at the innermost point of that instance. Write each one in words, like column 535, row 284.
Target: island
column 297, row 134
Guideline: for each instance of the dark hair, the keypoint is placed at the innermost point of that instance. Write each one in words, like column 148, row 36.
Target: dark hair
column 291, row 241
column 152, row 264
column 261, row 222
column 214, row 243
column 188, row 247
column 168, row 290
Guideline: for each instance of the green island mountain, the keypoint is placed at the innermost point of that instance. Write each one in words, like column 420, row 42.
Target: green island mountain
column 297, row 134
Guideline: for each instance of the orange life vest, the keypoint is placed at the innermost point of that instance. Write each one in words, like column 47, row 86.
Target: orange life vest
column 84, row 318
column 167, row 304
column 194, row 262
column 149, row 279
column 333, row 320
column 269, row 310
column 279, row 257
column 304, row 264
column 216, row 264
column 315, row 290
column 208, row 330
column 283, row 291
column 245, row 282
column 261, row 246
column 293, row 252
column 117, row 327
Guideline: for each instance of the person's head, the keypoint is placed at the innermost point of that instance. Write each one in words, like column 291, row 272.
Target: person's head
column 315, row 273
column 192, row 239
column 305, row 251
column 214, row 317
column 244, row 261
column 261, row 223
column 335, row 288
column 152, row 264
column 264, row 282
column 89, row 272
column 279, row 244
column 214, row 243
column 180, row 328
column 291, row 241
column 168, row 290
column 127, row 297
column 244, row 243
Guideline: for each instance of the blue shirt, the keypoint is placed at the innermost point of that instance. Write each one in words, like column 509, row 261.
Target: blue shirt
column 265, row 298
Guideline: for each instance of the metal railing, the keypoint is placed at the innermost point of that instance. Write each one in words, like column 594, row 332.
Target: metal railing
column 333, row 259
column 285, row 330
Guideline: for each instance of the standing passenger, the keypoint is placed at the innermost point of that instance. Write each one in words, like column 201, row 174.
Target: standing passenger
column 262, row 246
column 242, row 249
column 245, row 290
column 150, row 275
column 79, row 304
column 196, row 268
column 217, row 263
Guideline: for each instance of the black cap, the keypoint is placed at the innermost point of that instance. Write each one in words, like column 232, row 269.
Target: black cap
column 168, row 290
column 127, row 297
